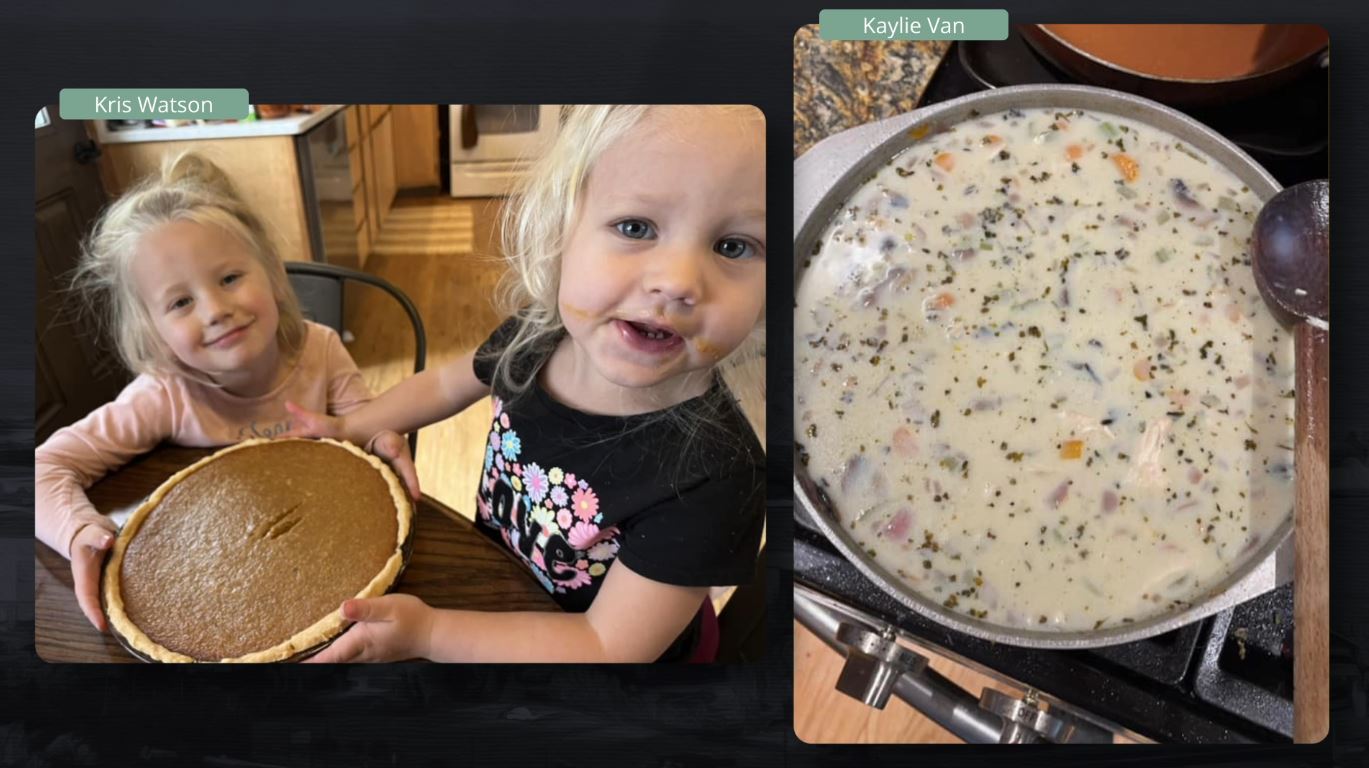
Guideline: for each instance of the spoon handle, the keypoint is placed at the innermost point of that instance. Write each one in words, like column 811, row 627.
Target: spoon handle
column 1311, row 643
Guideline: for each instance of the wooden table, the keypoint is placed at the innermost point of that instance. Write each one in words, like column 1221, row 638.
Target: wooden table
column 453, row 566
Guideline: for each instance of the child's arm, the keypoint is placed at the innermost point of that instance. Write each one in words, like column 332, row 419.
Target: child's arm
column 73, row 459
column 633, row 619
column 347, row 392
column 422, row 399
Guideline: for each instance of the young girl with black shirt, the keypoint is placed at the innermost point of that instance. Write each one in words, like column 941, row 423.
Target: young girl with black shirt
column 618, row 466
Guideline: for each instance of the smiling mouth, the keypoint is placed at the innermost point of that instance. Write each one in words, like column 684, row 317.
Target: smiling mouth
column 231, row 335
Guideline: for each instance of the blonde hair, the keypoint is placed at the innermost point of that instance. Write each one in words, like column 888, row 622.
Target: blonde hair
column 536, row 224
column 188, row 188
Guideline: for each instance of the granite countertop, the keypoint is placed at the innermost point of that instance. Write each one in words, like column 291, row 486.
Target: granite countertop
column 840, row 84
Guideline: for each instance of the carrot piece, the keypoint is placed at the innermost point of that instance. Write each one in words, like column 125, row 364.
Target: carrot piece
column 946, row 161
column 1072, row 449
column 1074, row 151
column 993, row 138
column 1130, row 168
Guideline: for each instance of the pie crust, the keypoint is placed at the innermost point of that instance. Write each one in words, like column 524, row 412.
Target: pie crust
column 307, row 639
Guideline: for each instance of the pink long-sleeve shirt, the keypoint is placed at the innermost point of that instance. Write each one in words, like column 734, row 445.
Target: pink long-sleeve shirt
column 152, row 410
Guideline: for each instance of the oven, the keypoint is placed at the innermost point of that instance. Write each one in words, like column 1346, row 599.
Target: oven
column 491, row 146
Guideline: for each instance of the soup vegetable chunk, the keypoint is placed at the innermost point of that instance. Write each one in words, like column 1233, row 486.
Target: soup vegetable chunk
column 1034, row 376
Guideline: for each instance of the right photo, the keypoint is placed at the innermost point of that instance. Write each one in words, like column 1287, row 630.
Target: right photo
column 1061, row 354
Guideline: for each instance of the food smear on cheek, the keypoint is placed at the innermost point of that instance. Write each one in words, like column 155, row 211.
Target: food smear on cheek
column 707, row 349
column 577, row 312
column 1034, row 374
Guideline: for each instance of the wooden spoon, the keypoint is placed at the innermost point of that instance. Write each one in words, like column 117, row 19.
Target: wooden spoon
column 1292, row 260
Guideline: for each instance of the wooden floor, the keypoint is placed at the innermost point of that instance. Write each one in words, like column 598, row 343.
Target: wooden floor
column 453, row 291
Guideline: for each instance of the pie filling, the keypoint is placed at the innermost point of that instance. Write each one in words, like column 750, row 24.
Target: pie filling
column 249, row 551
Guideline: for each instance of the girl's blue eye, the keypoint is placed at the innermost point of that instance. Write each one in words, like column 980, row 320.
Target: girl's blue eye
column 635, row 229
column 232, row 278
column 180, row 303
column 734, row 248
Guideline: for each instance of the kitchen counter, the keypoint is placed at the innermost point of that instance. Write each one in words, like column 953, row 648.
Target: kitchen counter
column 292, row 125
column 840, row 84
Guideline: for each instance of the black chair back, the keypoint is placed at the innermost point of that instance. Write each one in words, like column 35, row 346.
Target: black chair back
column 320, row 290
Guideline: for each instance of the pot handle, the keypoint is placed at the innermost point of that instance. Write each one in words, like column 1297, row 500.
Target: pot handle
column 877, row 666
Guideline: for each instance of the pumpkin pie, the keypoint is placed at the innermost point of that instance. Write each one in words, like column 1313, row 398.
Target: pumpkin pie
column 247, row 555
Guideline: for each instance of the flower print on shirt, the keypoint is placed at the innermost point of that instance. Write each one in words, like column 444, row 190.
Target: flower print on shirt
column 511, row 444
column 536, row 481
column 604, row 550
column 577, row 579
column 548, row 516
column 544, row 517
column 586, row 503
column 584, row 535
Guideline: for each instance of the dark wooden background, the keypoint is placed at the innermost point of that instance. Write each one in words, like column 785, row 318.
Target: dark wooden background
column 419, row 51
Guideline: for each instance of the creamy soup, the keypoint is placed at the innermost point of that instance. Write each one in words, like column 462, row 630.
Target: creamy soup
column 1034, row 376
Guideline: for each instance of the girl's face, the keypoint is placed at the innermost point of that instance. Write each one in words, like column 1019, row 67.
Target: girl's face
column 663, row 272
column 210, row 300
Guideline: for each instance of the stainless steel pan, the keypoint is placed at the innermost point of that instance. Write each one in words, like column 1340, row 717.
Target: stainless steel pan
column 832, row 170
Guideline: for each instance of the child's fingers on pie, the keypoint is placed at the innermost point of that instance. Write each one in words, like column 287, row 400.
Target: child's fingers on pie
column 333, row 654
column 307, row 423
column 394, row 450
column 87, row 553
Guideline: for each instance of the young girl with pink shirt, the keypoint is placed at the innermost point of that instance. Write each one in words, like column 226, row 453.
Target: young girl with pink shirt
column 199, row 307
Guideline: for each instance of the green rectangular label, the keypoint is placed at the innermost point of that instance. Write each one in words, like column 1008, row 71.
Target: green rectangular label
column 915, row 24
column 153, row 103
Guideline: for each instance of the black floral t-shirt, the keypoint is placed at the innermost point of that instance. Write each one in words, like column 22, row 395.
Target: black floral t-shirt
column 572, row 493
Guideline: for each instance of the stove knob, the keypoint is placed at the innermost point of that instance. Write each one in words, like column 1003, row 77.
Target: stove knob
column 874, row 663
column 1025, row 720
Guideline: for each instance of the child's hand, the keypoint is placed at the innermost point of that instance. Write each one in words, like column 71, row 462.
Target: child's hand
column 306, row 423
column 389, row 628
column 393, row 449
column 88, row 550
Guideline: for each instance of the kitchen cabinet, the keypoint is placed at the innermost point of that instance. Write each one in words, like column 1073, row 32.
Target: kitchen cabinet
column 417, row 146
column 264, row 169
column 267, row 171
column 382, row 138
column 376, row 192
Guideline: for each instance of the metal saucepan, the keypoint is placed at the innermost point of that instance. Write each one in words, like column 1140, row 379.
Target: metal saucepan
column 1243, row 60
column 829, row 173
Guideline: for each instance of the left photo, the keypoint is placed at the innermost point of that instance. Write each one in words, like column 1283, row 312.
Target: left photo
column 372, row 382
